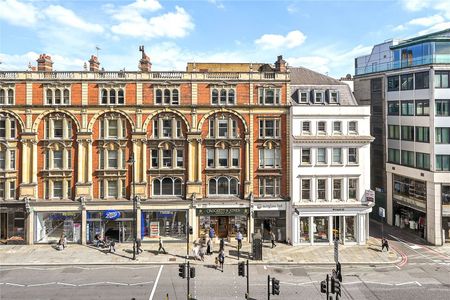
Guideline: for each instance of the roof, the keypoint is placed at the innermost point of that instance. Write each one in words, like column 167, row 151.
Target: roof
column 443, row 35
column 301, row 76
column 222, row 67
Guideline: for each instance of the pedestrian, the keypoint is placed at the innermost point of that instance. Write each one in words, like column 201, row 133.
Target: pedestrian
column 222, row 245
column 139, row 246
column 208, row 247
column 62, row 243
column 239, row 239
column 384, row 244
column 272, row 239
column 97, row 240
column 221, row 258
column 211, row 232
column 161, row 246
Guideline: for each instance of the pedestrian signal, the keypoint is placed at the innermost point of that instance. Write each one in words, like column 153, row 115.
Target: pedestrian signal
column 241, row 269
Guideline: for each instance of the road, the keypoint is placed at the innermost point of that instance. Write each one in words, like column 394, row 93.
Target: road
column 422, row 274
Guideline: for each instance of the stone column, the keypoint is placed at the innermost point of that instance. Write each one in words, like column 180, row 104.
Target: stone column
column 199, row 160
column 83, row 223
column 247, row 167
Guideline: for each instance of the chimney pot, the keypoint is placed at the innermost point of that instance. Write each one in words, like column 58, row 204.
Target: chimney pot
column 45, row 63
column 94, row 64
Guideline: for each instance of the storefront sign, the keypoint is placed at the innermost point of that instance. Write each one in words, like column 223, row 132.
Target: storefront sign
column 269, row 206
column 414, row 204
column 164, row 214
column 111, row 214
column 222, row 211
column 154, row 229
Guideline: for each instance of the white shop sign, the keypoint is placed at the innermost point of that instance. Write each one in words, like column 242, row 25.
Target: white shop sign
column 269, row 206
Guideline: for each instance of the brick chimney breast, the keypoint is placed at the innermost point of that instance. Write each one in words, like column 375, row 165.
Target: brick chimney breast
column 144, row 63
column 94, row 64
column 280, row 65
column 45, row 63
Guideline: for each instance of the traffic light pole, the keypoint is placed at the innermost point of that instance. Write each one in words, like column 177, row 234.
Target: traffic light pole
column 268, row 287
column 248, row 282
column 188, row 276
column 187, row 240
column 328, row 290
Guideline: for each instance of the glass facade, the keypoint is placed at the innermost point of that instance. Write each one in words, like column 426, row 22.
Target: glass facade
column 304, row 230
column 12, row 225
column 350, row 229
column 320, row 229
column 271, row 220
column 49, row 226
column 118, row 229
column 169, row 224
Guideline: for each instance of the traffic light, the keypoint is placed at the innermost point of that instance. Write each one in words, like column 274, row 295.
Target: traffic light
column 337, row 288
column 241, row 269
column 191, row 231
column 275, row 286
column 182, row 270
column 333, row 284
column 338, row 272
column 323, row 286
column 192, row 272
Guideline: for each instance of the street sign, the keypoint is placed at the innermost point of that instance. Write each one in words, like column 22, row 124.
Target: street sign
column 370, row 195
column 336, row 251
column 381, row 212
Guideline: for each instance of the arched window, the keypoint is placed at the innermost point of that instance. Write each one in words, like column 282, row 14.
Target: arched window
column 215, row 96
column 112, row 97
column 66, row 96
column 223, row 186
column 231, row 96
column 175, row 98
column 121, row 98
column 167, row 186
column 158, row 96
column 223, row 96
column 166, row 96
column 104, row 96
column 57, row 96
column 49, row 96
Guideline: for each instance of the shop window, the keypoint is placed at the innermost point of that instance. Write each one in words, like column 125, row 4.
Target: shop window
column 306, row 156
column 269, row 96
column 442, row 135
column 350, row 232
column 167, row 186
column 337, row 156
column 393, row 108
column 422, row 107
column 441, row 79
column 223, row 186
column 442, row 108
column 337, row 189
column 50, row 226
column 306, row 189
column 269, row 187
column 321, row 155
column 353, row 155
column 269, row 158
column 408, row 187
column 352, row 188
column 6, row 96
column 442, row 162
column 304, row 229
column 321, row 189
column 112, row 96
column 320, row 229
column 393, row 83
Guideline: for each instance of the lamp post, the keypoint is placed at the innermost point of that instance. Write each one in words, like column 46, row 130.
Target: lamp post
column 131, row 162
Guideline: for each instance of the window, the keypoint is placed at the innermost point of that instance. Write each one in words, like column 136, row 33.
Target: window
column 352, row 188
column 167, row 158
column 352, row 155
column 334, row 96
column 180, row 158
column 394, row 156
column 442, row 108
column 167, row 128
column 6, row 96
column 321, row 189
column 57, row 96
column 441, row 79
column 112, row 128
column 443, row 135
column 306, row 127
column 353, row 127
column 12, row 161
column 226, row 158
column 210, row 157
column 167, row 186
column 269, row 96
column 57, row 189
column 112, row 96
column 223, row 128
column 423, row 161
column 422, row 80
column 442, row 162
column 318, row 96
column 269, row 187
column 337, row 156
column 269, row 128
column 303, row 97
column 394, row 132
column 337, row 127
column 406, row 82
column 306, row 156
column 393, row 108
column 12, row 190
column 113, row 159
column 407, row 108
column 113, row 190
column 321, row 127
column 223, row 157
column 337, row 188
column 227, row 96
column 223, row 186
column 408, row 133
column 410, row 188
column 422, row 134
column 269, row 158
column 321, row 155
column 306, row 189
column 57, row 128
column 154, row 159
column 408, row 158
column 57, row 159
column 422, row 107
column 2, row 160
column 3, row 128
column 393, row 83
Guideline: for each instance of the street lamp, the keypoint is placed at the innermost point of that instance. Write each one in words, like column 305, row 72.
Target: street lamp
column 131, row 162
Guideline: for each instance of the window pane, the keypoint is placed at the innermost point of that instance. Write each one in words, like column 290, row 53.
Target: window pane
column 57, row 189
column 112, row 159
column 57, row 128
column 223, row 157
column 112, row 128
column 167, row 158
column 112, row 188
column 223, row 128
column 167, row 128
column 156, row 187
column 167, row 186
column 222, row 186
column 57, row 159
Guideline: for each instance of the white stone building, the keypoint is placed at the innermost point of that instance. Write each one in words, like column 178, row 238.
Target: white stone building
column 330, row 161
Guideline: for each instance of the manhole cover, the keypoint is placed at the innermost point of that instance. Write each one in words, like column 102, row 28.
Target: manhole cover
column 172, row 259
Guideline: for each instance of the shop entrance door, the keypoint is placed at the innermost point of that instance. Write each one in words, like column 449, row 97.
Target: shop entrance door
column 3, row 226
column 222, row 230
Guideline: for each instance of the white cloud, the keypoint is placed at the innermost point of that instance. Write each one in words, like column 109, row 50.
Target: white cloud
column 173, row 25
column 292, row 8
column 18, row 13
column 217, row 3
column 427, row 21
column 435, row 28
column 20, row 62
column 275, row 41
column 317, row 63
column 415, row 5
column 67, row 17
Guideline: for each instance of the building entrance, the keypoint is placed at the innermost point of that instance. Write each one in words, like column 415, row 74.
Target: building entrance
column 222, row 227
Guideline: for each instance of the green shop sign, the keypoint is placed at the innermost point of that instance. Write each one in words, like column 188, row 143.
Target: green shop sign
column 222, row 211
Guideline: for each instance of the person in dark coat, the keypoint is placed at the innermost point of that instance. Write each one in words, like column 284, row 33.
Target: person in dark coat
column 139, row 246
column 222, row 244
column 221, row 258
column 272, row 239
column 384, row 244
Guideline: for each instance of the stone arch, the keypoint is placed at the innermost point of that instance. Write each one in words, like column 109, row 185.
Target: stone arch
column 100, row 113
column 165, row 110
column 16, row 116
column 223, row 110
column 63, row 111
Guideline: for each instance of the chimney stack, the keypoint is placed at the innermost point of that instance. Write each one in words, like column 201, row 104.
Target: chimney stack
column 144, row 63
column 94, row 64
column 45, row 63
column 280, row 65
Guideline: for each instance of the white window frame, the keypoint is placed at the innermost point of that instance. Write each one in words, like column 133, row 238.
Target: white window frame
column 303, row 127
column 108, row 95
column 330, row 97
column 263, row 186
column 4, row 93
column 171, row 90
column 300, row 94
column 262, row 95
column 356, row 156
column 350, row 131
column 322, row 100
column 53, row 95
column 302, row 190
column 340, row 162
column 276, row 129
column 317, row 156
column 340, row 127
column 321, row 132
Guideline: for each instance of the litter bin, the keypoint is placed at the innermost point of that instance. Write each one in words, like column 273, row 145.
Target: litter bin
column 257, row 246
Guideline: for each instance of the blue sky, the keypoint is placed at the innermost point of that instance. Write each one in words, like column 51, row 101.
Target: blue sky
column 325, row 36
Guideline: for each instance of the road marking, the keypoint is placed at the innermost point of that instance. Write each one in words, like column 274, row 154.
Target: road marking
column 415, row 246
column 92, row 283
column 40, row 284
column 63, row 283
column 265, row 267
column 156, row 283
column 140, row 283
column 405, row 283
column 116, row 283
column 349, row 283
column 418, row 283
column 382, row 283
column 13, row 284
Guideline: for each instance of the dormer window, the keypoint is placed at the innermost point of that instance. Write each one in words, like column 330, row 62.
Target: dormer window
column 303, row 97
column 57, row 96
column 6, row 95
column 112, row 96
column 334, row 96
column 223, row 96
column 167, row 96
column 318, row 96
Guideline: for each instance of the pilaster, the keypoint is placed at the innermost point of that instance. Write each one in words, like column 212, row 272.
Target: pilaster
column 28, row 186
column 83, row 187
column 139, row 140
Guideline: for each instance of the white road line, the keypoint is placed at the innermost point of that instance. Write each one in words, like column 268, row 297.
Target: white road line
column 382, row 283
column 92, row 283
column 156, row 283
column 405, row 283
column 140, row 283
column 116, row 283
column 13, row 284
column 63, row 283
column 40, row 284
column 354, row 282
column 418, row 283
column 402, row 241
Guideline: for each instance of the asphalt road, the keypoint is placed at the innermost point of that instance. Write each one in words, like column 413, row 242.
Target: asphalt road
column 422, row 274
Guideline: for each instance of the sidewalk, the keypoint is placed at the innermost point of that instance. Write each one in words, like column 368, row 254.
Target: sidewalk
column 282, row 254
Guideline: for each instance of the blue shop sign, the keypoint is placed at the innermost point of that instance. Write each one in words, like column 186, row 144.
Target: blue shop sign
column 111, row 214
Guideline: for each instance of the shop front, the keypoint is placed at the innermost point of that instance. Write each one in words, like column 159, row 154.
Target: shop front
column 12, row 224
column 169, row 224
column 116, row 225
column 410, row 215
column 225, row 221
column 446, row 212
column 49, row 226
column 270, row 217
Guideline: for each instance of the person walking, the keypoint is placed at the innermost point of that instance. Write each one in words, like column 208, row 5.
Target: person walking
column 384, row 244
column 62, row 243
column 208, row 247
column 221, row 258
column 272, row 239
column 161, row 246
column 139, row 246
column 239, row 239
column 211, row 232
column 222, row 245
